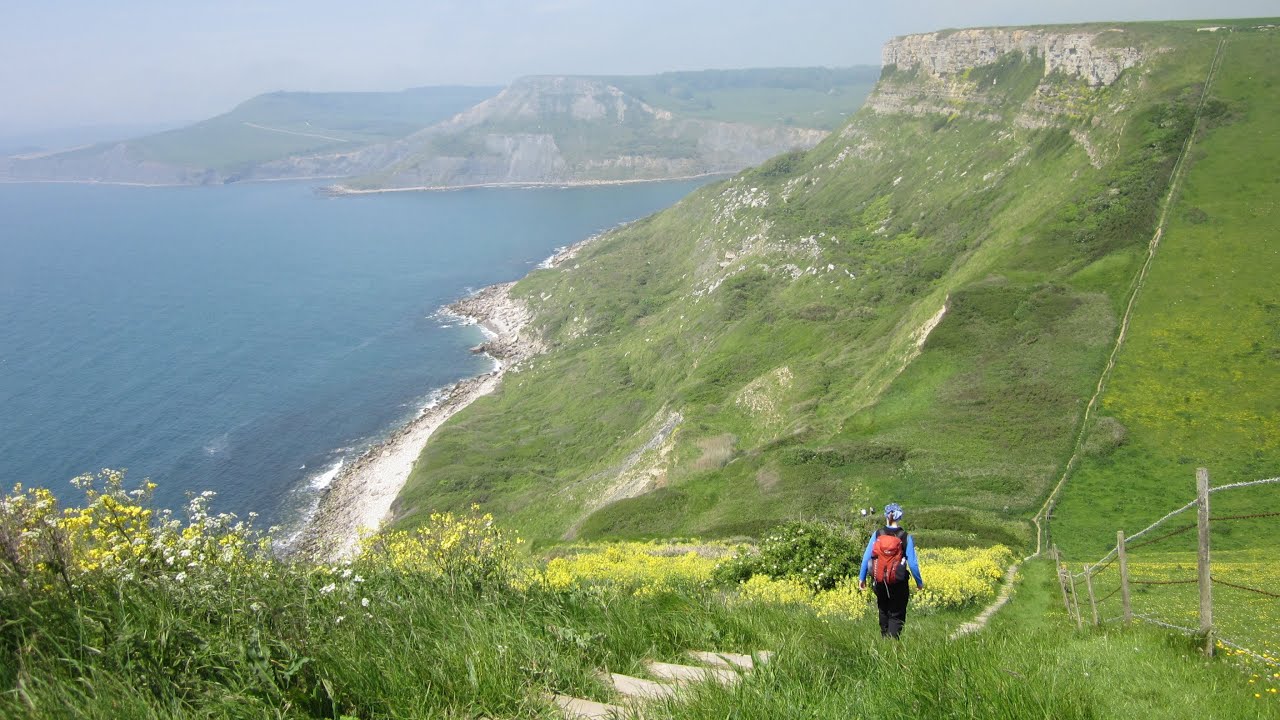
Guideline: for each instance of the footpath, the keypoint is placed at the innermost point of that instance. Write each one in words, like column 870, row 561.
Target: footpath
column 668, row 681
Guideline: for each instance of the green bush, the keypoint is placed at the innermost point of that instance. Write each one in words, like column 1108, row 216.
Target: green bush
column 817, row 554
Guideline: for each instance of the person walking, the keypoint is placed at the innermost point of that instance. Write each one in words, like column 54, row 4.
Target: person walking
column 890, row 554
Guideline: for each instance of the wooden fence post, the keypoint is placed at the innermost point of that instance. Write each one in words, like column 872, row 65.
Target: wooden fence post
column 1124, row 577
column 1062, row 581
column 1088, row 582
column 1075, row 599
column 1202, row 561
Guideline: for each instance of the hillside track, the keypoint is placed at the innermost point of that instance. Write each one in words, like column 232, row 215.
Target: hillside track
column 1041, row 518
column 1045, row 514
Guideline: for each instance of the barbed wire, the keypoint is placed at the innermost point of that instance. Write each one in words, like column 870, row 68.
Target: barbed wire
column 1242, row 587
column 1110, row 556
column 1158, row 538
column 1192, row 631
column 1108, row 559
column 1161, row 623
column 1245, row 517
column 1162, row 582
column 1250, row 653
column 1250, row 483
column 1109, row 595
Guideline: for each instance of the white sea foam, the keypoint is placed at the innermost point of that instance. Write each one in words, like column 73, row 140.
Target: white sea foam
column 321, row 481
column 218, row 445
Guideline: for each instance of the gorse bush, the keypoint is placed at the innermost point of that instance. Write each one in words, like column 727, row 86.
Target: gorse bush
column 818, row 555
column 465, row 549
column 845, row 600
column 640, row 568
column 959, row 578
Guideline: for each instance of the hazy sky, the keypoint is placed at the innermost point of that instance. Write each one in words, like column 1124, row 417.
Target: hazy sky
column 65, row 63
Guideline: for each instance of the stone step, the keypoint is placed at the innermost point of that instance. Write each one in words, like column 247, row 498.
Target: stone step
column 745, row 663
column 638, row 688
column 688, row 673
column 579, row 709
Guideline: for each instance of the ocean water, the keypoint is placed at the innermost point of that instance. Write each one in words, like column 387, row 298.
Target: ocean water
column 246, row 338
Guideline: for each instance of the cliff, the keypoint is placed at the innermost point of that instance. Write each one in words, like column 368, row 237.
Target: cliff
column 559, row 129
column 917, row 309
column 575, row 130
column 1090, row 56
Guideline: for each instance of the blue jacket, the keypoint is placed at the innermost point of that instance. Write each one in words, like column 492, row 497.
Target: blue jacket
column 911, row 560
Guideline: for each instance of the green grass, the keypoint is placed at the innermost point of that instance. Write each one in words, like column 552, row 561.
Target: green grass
column 280, row 646
column 1198, row 381
column 816, row 377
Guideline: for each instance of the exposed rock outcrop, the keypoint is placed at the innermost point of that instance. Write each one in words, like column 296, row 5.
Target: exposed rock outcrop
column 572, row 130
column 949, row 53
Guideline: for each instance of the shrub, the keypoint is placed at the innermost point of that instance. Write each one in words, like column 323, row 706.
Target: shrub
column 466, row 550
column 845, row 600
column 115, row 534
column 818, row 555
column 958, row 578
column 639, row 568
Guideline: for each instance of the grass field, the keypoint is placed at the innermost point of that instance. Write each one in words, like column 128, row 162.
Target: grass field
column 1198, row 381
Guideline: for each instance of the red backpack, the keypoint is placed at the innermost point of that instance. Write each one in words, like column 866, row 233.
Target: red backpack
column 888, row 556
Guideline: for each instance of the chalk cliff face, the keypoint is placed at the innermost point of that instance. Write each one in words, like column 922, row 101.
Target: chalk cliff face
column 572, row 130
column 1076, row 54
column 1032, row 78
column 542, row 129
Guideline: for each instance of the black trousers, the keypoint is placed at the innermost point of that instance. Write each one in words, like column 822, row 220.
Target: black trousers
column 892, row 602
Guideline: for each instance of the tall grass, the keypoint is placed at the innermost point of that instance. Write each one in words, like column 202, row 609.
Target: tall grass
column 445, row 623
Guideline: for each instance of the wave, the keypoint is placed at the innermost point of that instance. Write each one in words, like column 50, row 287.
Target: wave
column 322, row 480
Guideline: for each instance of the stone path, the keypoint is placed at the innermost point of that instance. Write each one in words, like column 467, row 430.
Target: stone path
column 668, row 679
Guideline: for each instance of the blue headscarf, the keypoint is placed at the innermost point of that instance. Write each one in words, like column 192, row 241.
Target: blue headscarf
column 893, row 512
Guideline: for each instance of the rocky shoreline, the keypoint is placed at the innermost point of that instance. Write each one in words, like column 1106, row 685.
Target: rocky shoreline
column 360, row 497
column 340, row 190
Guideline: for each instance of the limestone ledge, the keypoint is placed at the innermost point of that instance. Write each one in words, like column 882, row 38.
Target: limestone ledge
column 1073, row 53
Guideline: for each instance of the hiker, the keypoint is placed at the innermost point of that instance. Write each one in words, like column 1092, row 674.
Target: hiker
column 890, row 553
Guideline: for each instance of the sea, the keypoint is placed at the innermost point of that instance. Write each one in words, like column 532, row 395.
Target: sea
column 249, row 339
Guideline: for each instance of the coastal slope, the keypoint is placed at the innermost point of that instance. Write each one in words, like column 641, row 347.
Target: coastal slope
column 561, row 130
column 263, row 130
column 917, row 308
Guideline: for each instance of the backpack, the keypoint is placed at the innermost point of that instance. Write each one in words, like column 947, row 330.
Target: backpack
column 889, row 556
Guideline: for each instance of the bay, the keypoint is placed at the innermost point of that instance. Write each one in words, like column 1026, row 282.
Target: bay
column 246, row 338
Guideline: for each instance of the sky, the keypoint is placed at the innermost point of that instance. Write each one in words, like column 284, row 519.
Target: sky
column 80, row 63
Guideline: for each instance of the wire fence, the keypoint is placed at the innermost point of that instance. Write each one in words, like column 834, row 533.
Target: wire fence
column 1148, row 574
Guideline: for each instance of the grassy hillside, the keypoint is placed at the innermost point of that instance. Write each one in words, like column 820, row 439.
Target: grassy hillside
column 793, row 319
column 804, row 97
column 1198, row 381
column 280, row 124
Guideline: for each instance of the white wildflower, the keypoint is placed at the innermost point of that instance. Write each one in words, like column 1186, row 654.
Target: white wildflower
column 328, row 589
column 364, row 602
column 180, row 576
